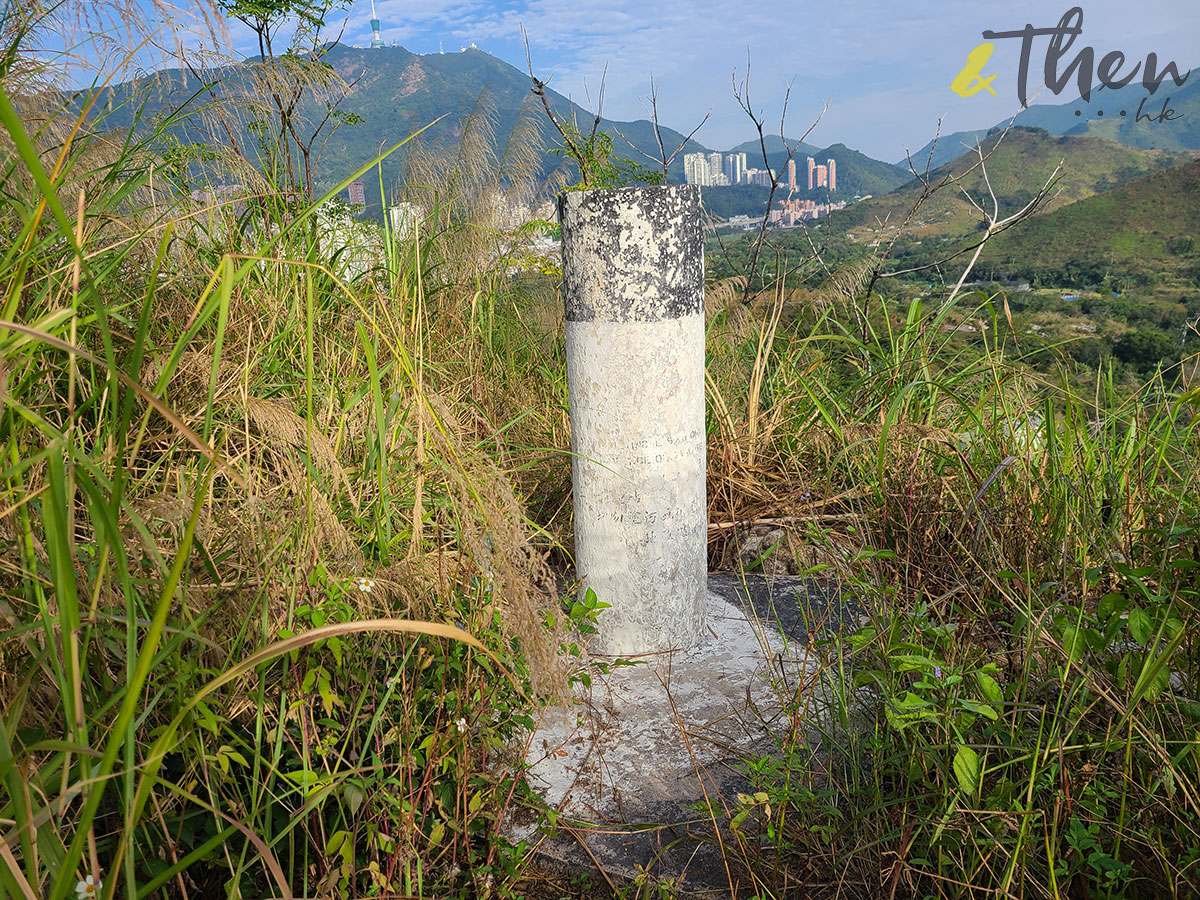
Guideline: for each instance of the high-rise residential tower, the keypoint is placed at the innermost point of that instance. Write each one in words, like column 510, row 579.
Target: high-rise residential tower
column 715, row 167
column 735, row 167
column 832, row 166
column 812, row 165
column 791, row 170
column 696, row 170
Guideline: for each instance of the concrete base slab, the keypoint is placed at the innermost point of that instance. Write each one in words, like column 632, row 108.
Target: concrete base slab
column 634, row 769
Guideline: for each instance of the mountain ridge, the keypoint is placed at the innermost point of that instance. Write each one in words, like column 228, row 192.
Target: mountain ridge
column 1024, row 160
column 1100, row 116
column 398, row 91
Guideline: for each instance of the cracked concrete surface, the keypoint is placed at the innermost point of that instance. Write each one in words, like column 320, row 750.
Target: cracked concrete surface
column 633, row 768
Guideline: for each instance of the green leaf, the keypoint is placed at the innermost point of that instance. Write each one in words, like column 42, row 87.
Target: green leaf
column 908, row 710
column 354, row 797
column 908, row 662
column 967, row 769
column 1073, row 642
column 982, row 709
column 991, row 690
column 1140, row 625
column 1111, row 604
column 335, row 842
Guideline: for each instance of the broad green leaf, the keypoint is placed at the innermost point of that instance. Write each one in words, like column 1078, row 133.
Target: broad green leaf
column 1073, row 642
column 1140, row 625
column 982, row 709
column 966, row 769
column 991, row 690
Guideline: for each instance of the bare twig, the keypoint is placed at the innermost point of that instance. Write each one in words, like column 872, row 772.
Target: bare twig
column 928, row 189
column 598, row 110
column 993, row 222
column 742, row 96
column 663, row 158
column 539, row 90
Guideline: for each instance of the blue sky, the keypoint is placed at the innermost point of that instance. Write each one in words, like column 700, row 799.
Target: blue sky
column 886, row 68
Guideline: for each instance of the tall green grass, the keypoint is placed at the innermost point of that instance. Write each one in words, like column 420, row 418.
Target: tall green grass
column 275, row 535
column 1023, row 699
column 248, row 648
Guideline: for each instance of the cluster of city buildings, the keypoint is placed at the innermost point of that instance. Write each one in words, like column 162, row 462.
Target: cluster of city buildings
column 818, row 176
column 792, row 212
column 717, row 169
column 789, row 213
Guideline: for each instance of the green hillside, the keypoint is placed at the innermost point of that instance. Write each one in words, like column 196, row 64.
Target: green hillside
column 1017, row 167
column 396, row 92
column 775, row 149
column 1144, row 232
column 857, row 173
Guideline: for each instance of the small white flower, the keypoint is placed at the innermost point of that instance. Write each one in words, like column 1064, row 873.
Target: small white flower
column 460, row 724
column 88, row 888
column 364, row 584
column 392, row 682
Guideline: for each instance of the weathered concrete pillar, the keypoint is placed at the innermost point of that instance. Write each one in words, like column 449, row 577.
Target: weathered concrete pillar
column 633, row 267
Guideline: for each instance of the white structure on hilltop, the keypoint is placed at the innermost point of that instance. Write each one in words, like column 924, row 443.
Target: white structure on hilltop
column 377, row 39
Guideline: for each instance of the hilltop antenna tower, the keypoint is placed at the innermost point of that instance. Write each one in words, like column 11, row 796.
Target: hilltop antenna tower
column 377, row 40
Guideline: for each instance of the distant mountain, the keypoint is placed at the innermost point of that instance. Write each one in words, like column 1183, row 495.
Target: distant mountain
column 396, row 92
column 775, row 147
column 1144, row 230
column 1182, row 133
column 858, row 173
column 1017, row 168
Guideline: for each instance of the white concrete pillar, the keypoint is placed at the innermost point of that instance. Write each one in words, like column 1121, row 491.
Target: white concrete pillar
column 633, row 268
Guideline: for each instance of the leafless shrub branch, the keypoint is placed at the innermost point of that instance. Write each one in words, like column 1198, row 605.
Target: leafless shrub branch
column 742, row 96
column 993, row 222
column 569, row 141
column 664, row 159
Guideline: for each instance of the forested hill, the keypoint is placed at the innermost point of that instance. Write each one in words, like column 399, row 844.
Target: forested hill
column 1018, row 165
column 1142, row 232
column 394, row 93
column 1110, row 208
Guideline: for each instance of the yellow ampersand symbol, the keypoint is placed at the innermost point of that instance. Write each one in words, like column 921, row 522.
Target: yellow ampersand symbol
column 967, row 83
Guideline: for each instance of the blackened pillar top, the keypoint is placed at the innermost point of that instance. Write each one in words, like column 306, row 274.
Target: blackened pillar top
column 632, row 254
